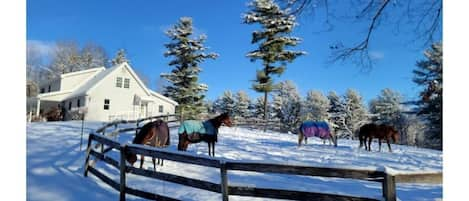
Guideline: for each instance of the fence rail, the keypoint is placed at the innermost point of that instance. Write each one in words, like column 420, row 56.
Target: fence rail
column 387, row 180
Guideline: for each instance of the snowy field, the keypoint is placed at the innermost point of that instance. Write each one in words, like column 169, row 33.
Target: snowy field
column 55, row 165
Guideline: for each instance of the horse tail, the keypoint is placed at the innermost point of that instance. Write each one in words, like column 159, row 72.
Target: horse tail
column 361, row 136
column 168, row 134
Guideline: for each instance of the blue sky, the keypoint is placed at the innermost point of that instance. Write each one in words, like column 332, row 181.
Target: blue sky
column 138, row 26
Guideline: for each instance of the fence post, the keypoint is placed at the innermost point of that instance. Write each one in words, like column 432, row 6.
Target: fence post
column 122, row 174
column 88, row 149
column 389, row 187
column 224, row 181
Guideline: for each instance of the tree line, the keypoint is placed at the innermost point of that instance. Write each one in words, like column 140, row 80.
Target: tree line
column 274, row 43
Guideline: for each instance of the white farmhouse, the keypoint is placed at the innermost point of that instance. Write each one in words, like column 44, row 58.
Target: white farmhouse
column 104, row 94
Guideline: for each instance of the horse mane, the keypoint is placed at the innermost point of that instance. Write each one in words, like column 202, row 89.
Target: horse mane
column 216, row 121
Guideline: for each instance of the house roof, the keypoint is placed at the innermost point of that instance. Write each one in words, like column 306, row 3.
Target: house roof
column 155, row 94
column 65, row 75
column 95, row 81
column 54, row 96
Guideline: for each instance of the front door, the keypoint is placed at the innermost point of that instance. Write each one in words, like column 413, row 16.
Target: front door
column 143, row 110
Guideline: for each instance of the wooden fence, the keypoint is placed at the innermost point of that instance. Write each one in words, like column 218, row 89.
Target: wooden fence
column 387, row 180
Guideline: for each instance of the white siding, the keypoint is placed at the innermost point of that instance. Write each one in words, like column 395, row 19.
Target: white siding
column 121, row 99
column 70, row 82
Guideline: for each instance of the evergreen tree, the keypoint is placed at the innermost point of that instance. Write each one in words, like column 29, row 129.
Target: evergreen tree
column 187, row 53
column 386, row 108
column 287, row 106
column 120, row 58
column 337, row 113
column 315, row 106
column 258, row 109
column 273, row 39
column 429, row 74
column 209, row 105
column 217, row 105
column 355, row 111
column 228, row 103
column 242, row 104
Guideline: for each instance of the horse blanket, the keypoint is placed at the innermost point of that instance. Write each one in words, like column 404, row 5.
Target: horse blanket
column 197, row 127
column 315, row 129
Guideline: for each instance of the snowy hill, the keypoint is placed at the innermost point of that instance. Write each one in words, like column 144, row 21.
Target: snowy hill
column 55, row 165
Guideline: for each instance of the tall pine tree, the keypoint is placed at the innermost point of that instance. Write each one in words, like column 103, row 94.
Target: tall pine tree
column 429, row 74
column 273, row 40
column 187, row 53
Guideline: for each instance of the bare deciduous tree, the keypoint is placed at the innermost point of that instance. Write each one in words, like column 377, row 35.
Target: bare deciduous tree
column 423, row 18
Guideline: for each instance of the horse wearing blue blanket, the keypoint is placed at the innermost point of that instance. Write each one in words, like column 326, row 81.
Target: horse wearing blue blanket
column 319, row 129
column 192, row 131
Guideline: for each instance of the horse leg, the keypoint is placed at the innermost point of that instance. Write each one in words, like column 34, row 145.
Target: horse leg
column 154, row 165
column 389, row 145
column 379, row 142
column 369, row 143
column 300, row 138
column 213, row 149
column 141, row 161
column 360, row 137
column 306, row 140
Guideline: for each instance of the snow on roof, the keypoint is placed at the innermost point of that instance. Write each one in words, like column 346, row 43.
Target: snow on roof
column 54, row 96
column 95, row 80
column 155, row 94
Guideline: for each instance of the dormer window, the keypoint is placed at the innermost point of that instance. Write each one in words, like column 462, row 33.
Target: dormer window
column 126, row 83
column 119, row 82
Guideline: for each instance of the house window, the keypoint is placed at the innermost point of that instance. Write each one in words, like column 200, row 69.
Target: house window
column 106, row 104
column 78, row 103
column 160, row 109
column 126, row 83
column 119, row 82
column 70, row 105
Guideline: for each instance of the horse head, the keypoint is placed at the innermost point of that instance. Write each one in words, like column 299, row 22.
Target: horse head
column 131, row 158
column 225, row 119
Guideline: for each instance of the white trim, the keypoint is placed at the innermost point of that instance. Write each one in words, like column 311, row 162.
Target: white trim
column 54, row 96
column 163, row 98
column 82, row 72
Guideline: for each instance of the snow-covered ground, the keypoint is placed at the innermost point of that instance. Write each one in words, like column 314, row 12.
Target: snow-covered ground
column 55, row 165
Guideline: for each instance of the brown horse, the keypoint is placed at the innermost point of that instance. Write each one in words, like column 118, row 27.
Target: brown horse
column 155, row 134
column 191, row 131
column 368, row 131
